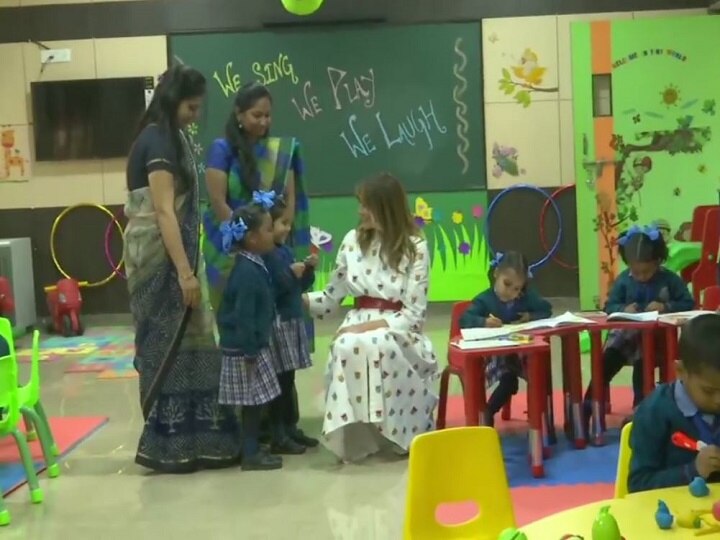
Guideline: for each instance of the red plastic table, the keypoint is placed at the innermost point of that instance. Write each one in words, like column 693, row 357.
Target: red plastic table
column 647, row 332
column 572, row 381
column 537, row 355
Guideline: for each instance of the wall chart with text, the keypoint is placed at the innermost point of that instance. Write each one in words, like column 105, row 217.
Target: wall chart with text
column 360, row 100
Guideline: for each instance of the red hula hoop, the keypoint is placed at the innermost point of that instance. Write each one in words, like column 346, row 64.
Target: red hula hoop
column 545, row 207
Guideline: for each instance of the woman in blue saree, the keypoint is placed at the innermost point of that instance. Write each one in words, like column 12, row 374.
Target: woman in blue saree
column 175, row 353
column 245, row 160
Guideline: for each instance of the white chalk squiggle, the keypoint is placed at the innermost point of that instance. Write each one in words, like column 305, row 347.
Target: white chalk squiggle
column 461, row 108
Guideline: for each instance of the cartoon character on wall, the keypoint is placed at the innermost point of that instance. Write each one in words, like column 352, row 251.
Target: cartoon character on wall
column 12, row 156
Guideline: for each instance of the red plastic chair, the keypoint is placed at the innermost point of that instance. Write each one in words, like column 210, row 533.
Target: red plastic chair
column 455, row 364
column 705, row 274
column 697, row 229
column 711, row 299
column 456, row 367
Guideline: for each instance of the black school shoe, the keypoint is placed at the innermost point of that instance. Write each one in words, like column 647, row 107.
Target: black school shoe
column 287, row 447
column 299, row 437
column 262, row 461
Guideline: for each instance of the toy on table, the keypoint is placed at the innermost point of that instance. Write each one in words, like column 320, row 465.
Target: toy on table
column 691, row 519
column 512, row 534
column 681, row 440
column 663, row 517
column 605, row 526
column 698, row 487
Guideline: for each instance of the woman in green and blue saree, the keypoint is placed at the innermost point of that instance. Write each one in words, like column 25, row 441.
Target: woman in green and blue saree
column 175, row 353
column 245, row 160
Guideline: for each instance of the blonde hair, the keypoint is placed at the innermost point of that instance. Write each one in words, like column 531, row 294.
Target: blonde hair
column 384, row 196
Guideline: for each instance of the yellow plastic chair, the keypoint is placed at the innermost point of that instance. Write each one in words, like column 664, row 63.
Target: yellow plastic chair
column 623, row 468
column 457, row 465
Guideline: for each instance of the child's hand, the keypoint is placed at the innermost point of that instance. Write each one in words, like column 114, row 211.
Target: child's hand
column 311, row 261
column 631, row 308
column 493, row 322
column 524, row 317
column 655, row 306
column 708, row 460
column 298, row 269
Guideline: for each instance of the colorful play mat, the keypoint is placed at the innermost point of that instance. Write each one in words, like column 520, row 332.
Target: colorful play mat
column 107, row 351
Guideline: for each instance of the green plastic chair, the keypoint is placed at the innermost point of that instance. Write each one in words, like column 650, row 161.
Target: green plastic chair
column 6, row 332
column 9, row 425
column 32, row 410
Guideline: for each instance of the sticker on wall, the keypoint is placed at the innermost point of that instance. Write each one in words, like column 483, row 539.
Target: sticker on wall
column 15, row 158
column 670, row 96
column 524, row 78
column 616, row 215
column 506, row 161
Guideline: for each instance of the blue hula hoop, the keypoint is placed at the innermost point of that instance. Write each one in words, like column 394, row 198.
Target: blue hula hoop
column 554, row 249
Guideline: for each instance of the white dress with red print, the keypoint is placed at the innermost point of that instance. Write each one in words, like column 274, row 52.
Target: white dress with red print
column 380, row 385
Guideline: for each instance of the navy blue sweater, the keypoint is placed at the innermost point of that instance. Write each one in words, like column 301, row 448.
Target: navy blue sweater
column 287, row 287
column 665, row 287
column 247, row 309
column 656, row 462
column 487, row 303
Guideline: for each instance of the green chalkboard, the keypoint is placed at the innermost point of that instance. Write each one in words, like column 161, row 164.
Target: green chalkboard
column 360, row 100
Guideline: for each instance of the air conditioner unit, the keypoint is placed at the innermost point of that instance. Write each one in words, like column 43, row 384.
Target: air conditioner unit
column 16, row 266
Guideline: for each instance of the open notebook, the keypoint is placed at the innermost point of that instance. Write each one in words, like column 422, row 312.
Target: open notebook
column 683, row 316
column 649, row 316
column 476, row 334
column 485, row 344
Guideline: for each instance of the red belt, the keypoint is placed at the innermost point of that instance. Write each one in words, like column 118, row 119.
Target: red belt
column 367, row 302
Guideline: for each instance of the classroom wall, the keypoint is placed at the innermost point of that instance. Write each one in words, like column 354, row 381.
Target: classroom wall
column 30, row 202
column 29, row 208
column 662, row 134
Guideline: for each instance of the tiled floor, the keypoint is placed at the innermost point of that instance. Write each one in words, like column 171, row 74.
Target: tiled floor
column 103, row 495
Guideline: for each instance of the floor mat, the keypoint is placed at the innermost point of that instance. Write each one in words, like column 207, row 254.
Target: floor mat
column 69, row 432
column 109, row 352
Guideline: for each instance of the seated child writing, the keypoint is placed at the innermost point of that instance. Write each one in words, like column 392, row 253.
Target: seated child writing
column 509, row 300
column 691, row 406
column 646, row 285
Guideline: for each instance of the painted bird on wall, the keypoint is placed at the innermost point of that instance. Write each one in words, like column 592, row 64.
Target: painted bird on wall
column 529, row 70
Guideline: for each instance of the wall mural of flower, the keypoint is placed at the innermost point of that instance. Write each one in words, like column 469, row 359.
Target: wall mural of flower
column 506, row 161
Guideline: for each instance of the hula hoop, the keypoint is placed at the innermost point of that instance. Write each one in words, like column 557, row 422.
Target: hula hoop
column 551, row 253
column 53, row 232
column 553, row 197
column 108, row 255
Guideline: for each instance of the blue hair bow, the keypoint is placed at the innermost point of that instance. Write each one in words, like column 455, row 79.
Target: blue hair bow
column 496, row 260
column 651, row 231
column 264, row 199
column 232, row 232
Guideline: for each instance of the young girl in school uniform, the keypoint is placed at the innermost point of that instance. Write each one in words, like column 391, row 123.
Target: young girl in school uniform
column 245, row 320
column 646, row 285
column 289, row 344
column 508, row 300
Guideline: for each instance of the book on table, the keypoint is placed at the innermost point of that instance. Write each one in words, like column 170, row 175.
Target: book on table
column 480, row 344
column 647, row 316
column 567, row 318
column 681, row 317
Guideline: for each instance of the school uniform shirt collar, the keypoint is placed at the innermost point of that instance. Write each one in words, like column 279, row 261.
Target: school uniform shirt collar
column 683, row 401
column 254, row 258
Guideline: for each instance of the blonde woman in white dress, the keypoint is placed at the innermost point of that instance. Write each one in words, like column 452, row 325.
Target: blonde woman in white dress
column 381, row 373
